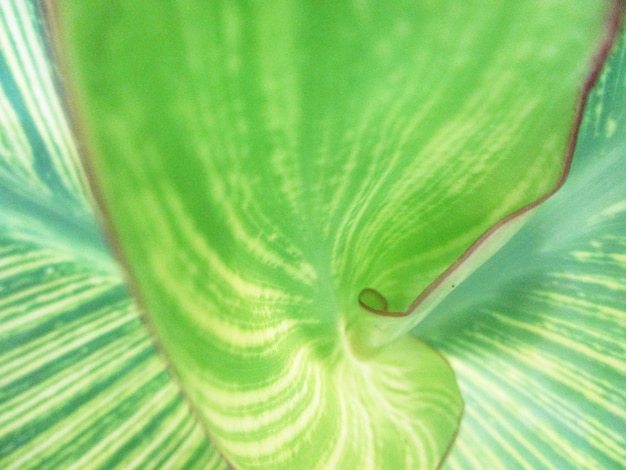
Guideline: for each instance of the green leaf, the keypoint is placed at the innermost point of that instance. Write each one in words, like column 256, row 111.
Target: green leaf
column 57, row 407
column 268, row 167
column 540, row 353
column 81, row 384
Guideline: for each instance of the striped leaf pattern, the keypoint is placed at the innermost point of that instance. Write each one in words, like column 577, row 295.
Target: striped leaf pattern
column 537, row 335
column 81, row 385
column 263, row 163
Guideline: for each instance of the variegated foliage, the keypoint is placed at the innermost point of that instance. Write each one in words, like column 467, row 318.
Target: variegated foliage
column 540, row 354
column 81, row 385
column 277, row 173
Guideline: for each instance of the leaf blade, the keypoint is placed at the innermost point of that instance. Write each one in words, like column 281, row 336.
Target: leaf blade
column 553, row 330
column 263, row 287
column 80, row 381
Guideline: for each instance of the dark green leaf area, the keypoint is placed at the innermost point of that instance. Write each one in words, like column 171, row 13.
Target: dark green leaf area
column 77, row 368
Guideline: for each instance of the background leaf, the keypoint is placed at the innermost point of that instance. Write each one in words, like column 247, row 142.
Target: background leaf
column 536, row 336
column 81, row 384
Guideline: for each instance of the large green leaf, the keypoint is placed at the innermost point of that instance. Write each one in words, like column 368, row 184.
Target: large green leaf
column 537, row 335
column 81, row 384
column 262, row 164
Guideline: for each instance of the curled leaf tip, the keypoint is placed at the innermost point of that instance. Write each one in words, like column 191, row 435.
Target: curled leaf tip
column 371, row 299
column 374, row 302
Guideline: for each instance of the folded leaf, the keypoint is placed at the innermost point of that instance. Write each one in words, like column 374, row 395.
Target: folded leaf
column 267, row 166
column 81, row 384
column 540, row 353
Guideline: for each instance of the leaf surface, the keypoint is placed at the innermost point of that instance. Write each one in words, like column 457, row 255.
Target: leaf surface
column 540, row 352
column 81, row 384
column 263, row 164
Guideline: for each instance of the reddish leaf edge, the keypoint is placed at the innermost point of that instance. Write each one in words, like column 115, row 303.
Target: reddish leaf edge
column 613, row 24
column 49, row 12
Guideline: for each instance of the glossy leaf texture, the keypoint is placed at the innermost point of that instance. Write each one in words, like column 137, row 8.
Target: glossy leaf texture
column 261, row 164
column 81, row 385
column 537, row 335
